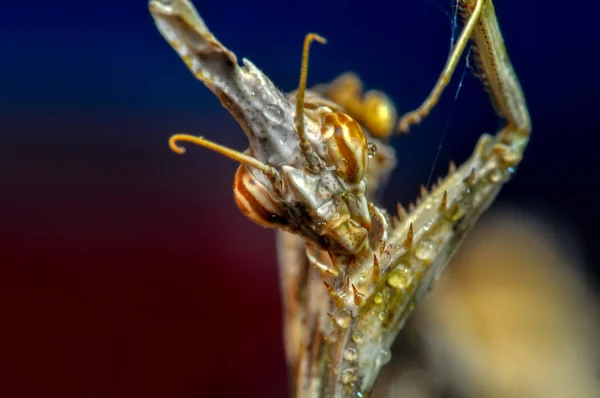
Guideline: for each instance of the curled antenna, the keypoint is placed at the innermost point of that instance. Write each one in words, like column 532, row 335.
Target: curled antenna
column 299, row 118
column 228, row 152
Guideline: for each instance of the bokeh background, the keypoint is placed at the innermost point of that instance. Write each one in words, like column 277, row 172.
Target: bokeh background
column 126, row 270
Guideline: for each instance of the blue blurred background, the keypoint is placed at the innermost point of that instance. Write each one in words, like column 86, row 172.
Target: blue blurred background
column 126, row 270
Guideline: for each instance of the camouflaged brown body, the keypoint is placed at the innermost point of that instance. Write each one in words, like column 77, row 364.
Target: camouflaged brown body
column 346, row 296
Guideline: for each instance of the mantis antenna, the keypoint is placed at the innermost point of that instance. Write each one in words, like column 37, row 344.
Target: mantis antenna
column 228, row 152
column 299, row 118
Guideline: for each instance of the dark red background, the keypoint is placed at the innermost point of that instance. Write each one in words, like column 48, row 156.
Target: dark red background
column 126, row 277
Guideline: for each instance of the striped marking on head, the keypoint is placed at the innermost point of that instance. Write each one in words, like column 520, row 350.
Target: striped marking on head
column 346, row 145
column 255, row 200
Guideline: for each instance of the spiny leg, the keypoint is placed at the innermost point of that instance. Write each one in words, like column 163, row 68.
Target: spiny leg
column 443, row 217
column 498, row 76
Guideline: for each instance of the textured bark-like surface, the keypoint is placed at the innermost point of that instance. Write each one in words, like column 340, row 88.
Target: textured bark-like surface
column 351, row 273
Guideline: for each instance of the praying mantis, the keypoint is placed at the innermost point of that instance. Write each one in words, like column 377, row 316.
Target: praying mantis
column 351, row 272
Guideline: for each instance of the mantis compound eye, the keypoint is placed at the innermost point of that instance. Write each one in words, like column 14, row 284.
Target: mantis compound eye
column 255, row 201
column 346, row 145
